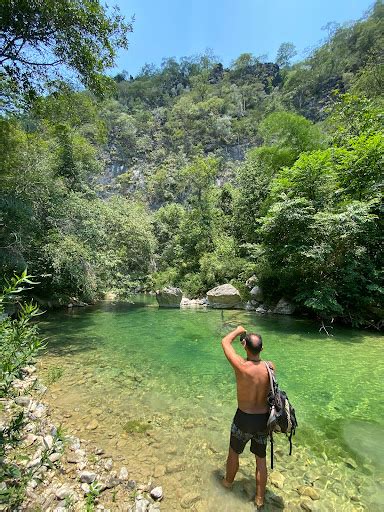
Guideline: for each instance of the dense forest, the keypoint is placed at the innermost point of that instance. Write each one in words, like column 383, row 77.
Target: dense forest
column 193, row 174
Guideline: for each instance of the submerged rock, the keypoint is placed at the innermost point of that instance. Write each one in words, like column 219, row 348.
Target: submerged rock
column 224, row 296
column 189, row 499
column 284, row 307
column 169, row 297
column 92, row 425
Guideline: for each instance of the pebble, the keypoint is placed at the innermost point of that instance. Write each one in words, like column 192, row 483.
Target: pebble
column 54, row 457
column 85, row 488
column 157, row 493
column 311, row 492
column 48, row 442
column 92, row 425
column 277, row 479
column 189, row 499
column 141, row 504
column 63, row 492
column 108, row 465
column 30, row 439
column 23, row 400
column 87, row 477
column 174, row 467
column 123, row 475
column 34, row 462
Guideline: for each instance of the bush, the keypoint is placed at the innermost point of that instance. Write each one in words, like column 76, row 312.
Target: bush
column 19, row 340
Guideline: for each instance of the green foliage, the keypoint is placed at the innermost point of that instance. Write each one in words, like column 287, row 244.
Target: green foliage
column 77, row 35
column 54, row 374
column 19, row 339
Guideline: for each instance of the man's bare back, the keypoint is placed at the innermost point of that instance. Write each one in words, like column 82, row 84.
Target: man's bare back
column 252, row 381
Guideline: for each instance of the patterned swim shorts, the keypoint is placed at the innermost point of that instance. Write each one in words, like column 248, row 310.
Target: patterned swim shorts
column 249, row 427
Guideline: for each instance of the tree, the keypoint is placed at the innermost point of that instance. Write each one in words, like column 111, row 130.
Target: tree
column 285, row 53
column 42, row 39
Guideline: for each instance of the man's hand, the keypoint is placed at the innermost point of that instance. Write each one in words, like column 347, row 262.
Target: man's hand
column 241, row 329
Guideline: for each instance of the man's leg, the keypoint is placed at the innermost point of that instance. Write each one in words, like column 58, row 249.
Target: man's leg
column 261, row 480
column 232, row 467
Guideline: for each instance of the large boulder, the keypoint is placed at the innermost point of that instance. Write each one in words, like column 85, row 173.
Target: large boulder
column 257, row 294
column 224, row 296
column 169, row 297
column 284, row 307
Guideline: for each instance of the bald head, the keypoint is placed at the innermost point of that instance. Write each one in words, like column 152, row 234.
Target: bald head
column 254, row 343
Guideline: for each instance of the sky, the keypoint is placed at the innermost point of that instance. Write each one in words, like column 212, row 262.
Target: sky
column 179, row 28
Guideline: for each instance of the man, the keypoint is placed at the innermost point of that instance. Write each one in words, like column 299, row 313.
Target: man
column 250, row 421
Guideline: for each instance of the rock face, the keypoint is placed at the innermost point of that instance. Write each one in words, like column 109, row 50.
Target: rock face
column 224, row 296
column 283, row 307
column 169, row 297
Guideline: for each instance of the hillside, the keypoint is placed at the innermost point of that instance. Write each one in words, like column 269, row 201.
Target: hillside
column 194, row 175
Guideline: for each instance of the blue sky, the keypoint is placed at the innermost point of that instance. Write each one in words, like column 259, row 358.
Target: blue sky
column 178, row 28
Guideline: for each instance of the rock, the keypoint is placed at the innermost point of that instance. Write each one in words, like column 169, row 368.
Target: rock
column 261, row 310
column 141, row 504
column 48, row 442
column 174, row 467
column 108, row 465
column 85, row 488
column 350, row 463
column 123, row 475
column 193, row 303
column 277, row 479
column 224, row 296
column 39, row 411
column 110, row 295
column 64, row 492
column 99, row 451
column 249, row 307
column 30, row 439
column 54, row 457
column 157, row 493
column 75, row 445
column 311, row 492
column 284, row 307
column 307, row 505
column 131, row 484
column 169, row 297
column 33, row 463
column 257, row 294
column 87, row 477
column 189, row 499
column 74, row 458
column 92, row 425
column 159, row 471
column 23, row 400
column 251, row 282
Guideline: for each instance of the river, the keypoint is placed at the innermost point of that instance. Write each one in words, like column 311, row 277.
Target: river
column 162, row 393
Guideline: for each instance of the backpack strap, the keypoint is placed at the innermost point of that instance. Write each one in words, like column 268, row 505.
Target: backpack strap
column 271, row 439
column 271, row 378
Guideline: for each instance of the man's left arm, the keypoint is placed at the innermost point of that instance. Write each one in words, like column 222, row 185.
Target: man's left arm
column 230, row 353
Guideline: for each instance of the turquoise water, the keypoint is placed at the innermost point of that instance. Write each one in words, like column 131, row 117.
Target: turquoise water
column 166, row 368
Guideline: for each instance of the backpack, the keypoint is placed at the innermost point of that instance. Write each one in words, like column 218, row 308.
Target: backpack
column 282, row 416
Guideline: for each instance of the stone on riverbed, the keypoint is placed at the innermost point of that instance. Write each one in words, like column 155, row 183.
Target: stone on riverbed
column 224, row 296
column 169, row 297
column 257, row 294
column 157, row 493
column 92, row 425
column 189, row 499
column 64, row 492
column 311, row 492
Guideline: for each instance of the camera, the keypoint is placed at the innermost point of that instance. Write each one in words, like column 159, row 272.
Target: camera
column 242, row 336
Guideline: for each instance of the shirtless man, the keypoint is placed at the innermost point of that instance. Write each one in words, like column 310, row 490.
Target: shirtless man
column 250, row 421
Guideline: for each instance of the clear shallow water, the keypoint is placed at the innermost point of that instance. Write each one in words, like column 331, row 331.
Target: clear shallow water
column 166, row 370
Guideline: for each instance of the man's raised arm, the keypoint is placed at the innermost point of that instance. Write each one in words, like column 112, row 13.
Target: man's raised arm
column 235, row 360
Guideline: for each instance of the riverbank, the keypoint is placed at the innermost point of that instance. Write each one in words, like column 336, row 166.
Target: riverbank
column 50, row 470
